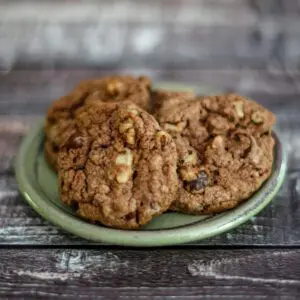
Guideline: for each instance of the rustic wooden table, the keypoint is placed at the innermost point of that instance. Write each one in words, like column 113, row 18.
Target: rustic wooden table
column 261, row 257
column 251, row 47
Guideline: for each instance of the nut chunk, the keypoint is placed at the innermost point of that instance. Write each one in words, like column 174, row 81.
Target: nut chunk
column 119, row 167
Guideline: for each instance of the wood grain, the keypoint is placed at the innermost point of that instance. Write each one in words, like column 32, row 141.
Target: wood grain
column 45, row 85
column 189, row 33
column 207, row 12
column 111, row 273
column 141, row 45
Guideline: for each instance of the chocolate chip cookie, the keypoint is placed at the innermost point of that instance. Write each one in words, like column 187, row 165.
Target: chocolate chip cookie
column 224, row 147
column 117, row 165
column 109, row 89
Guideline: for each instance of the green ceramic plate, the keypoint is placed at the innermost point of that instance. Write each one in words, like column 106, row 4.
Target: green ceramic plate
column 37, row 182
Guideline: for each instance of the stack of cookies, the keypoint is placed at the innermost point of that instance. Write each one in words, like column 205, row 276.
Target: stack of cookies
column 125, row 153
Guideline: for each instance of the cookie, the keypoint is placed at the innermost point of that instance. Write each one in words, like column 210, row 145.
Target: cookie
column 162, row 98
column 225, row 150
column 109, row 89
column 117, row 165
column 234, row 111
column 224, row 173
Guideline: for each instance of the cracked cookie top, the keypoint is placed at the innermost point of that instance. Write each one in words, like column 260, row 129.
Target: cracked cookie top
column 226, row 171
column 60, row 115
column 117, row 165
column 225, row 150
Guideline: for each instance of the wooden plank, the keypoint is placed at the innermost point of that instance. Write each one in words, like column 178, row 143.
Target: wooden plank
column 32, row 86
column 136, row 33
column 267, row 42
column 132, row 45
column 110, row 273
column 204, row 12
column 144, row 45
column 12, row 131
column 277, row 7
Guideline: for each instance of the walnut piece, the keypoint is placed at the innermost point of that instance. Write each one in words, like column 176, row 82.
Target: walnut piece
column 175, row 128
column 124, row 163
column 188, row 173
column 257, row 117
column 130, row 136
column 125, row 158
column 133, row 111
column 126, row 128
column 170, row 127
column 255, row 155
column 124, row 176
column 126, row 125
column 239, row 108
column 162, row 138
column 190, row 159
column 115, row 87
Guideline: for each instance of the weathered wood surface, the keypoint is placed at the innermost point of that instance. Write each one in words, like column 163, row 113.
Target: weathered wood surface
column 25, row 95
column 162, row 33
column 156, row 274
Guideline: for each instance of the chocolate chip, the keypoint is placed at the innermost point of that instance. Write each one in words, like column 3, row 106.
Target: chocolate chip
column 130, row 216
column 75, row 141
column 134, row 175
column 198, row 184
column 55, row 148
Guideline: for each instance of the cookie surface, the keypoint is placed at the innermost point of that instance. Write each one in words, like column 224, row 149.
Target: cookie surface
column 60, row 115
column 117, row 166
column 224, row 147
column 163, row 99
column 227, row 171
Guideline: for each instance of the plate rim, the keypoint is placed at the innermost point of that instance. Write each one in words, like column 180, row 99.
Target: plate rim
column 151, row 238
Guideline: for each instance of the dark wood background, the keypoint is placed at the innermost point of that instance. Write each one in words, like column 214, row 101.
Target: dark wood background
column 252, row 47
